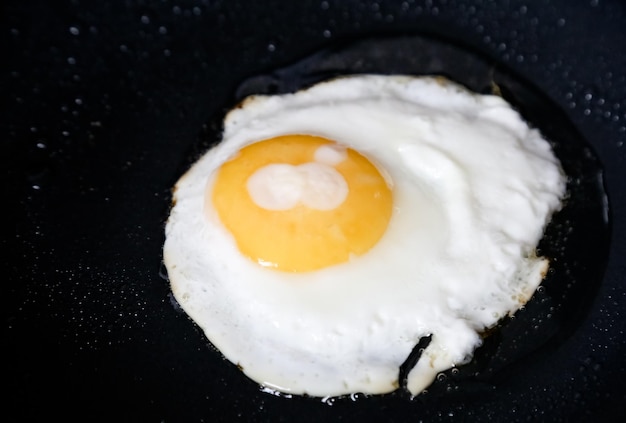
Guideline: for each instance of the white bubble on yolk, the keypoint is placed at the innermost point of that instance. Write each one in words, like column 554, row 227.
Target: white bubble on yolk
column 331, row 154
column 276, row 187
column 282, row 186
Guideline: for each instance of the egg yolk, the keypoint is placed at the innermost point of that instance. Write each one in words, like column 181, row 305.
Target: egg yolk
column 301, row 203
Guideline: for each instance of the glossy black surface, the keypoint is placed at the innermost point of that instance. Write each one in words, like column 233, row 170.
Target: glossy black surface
column 105, row 105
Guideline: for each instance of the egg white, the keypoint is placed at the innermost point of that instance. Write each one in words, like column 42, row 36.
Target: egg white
column 474, row 187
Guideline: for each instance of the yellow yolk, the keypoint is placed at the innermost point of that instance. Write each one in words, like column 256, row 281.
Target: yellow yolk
column 301, row 203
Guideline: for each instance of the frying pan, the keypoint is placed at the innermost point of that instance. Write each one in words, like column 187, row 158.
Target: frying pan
column 105, row 105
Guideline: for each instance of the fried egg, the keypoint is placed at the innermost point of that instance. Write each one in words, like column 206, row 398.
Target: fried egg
column 333, row 228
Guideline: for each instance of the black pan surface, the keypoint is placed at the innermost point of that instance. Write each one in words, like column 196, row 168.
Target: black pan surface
column 105, row 105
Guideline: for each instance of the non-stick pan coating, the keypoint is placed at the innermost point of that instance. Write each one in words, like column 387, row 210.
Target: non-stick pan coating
column 104, row 106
